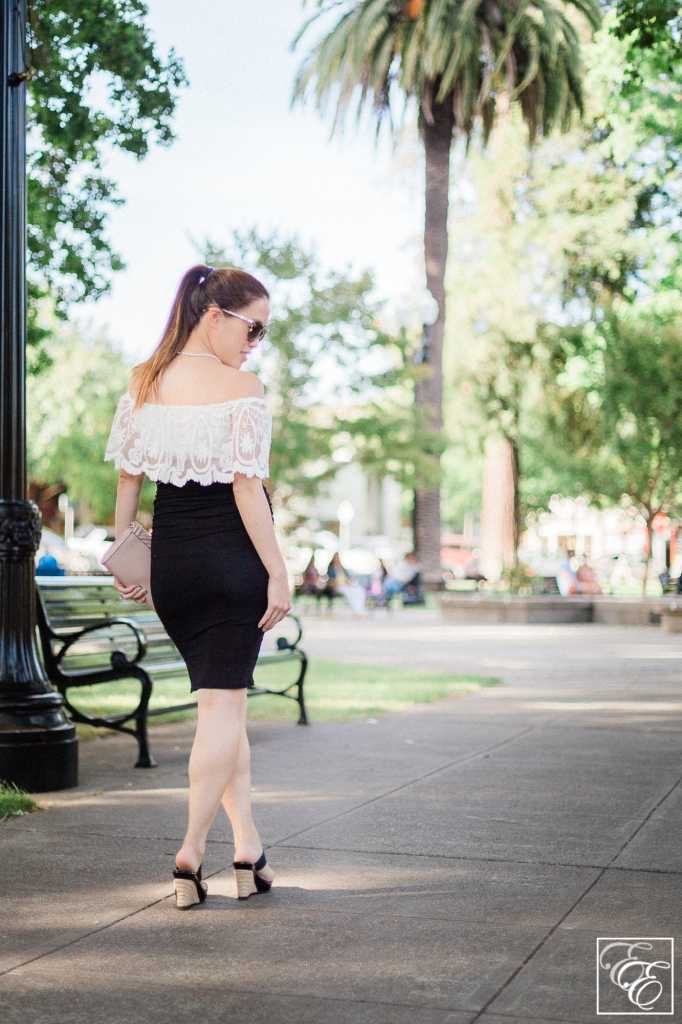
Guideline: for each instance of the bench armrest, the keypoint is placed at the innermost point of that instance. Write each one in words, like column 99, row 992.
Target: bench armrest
column 71, row 638
column 282, row 643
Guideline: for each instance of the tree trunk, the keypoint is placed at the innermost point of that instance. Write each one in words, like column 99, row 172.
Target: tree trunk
column 500, row 496
column 500, row 520
column 429, row 392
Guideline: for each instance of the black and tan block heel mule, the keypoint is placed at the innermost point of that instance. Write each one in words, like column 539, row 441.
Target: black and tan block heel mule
column 188, row 888
column 248, row 879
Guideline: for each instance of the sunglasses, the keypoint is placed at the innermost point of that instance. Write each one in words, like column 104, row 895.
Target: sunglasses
column 257, row 331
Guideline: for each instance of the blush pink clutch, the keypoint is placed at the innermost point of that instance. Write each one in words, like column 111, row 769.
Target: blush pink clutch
column 129, row 559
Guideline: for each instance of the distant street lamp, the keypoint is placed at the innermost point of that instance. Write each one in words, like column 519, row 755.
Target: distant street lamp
column 67, row 511
column 38, row 745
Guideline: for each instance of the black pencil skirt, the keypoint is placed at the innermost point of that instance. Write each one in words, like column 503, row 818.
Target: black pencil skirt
column 209, row 586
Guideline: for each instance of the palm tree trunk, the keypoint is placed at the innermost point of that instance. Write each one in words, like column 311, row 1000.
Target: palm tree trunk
column 437, row 138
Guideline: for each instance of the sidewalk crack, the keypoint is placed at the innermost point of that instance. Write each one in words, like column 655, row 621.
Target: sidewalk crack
column 577, row 902
column 411, row 782
column 94, row 931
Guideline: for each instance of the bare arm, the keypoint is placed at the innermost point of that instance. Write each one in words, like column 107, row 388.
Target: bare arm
column 127, row 507
column 255, row 512
column 127, row 500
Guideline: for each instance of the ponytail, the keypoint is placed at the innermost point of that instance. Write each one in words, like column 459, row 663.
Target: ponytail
column 200, row 288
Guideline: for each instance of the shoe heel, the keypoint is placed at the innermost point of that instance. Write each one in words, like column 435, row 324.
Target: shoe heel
column 185, row 893
column 245, row 883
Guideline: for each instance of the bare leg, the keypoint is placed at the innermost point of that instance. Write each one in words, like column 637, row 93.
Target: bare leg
column 222, row 718
column 220, row 769
column 237, row 803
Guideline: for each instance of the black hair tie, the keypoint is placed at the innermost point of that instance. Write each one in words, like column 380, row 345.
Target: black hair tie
column 208, row 271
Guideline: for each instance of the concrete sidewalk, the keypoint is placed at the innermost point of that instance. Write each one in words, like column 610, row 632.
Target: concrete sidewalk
column 454, row 863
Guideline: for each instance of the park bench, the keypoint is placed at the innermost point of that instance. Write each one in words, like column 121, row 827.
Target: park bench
column 89, row 636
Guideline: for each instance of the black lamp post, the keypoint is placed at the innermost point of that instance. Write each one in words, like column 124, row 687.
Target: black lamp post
column 38, row 745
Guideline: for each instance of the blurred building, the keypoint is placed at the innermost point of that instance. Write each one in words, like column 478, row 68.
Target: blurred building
column 596, row 535
column 375, row 502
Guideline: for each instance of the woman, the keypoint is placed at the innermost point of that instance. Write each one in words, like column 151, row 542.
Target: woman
column 198, row 425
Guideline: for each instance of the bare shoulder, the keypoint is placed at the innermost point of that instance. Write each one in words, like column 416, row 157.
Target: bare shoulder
column 246, row 385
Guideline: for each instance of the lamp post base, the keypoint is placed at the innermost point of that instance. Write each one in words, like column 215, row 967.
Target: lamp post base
column 44, row 765
column 38, row 746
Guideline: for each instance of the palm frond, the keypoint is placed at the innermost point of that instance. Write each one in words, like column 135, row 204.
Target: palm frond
column 459, row 52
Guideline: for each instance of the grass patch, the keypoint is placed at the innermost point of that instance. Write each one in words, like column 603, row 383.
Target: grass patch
column 338, row 691
column 14, row 802
column 335, row 692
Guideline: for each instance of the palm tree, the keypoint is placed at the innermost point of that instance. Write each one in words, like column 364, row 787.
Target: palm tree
column 463, row 61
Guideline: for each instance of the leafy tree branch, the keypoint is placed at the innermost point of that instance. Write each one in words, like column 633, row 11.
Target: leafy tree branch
column 97, row 81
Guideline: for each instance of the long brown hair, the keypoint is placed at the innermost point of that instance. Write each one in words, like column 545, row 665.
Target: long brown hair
column 200, row 288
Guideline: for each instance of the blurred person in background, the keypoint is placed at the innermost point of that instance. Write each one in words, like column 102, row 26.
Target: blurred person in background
column 403, row 572
column 377, row 581
column 566, row 577
column 309, row 584
column 586, row 581
column 340, row 583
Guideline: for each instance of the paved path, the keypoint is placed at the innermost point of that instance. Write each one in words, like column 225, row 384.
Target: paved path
column 447, row 865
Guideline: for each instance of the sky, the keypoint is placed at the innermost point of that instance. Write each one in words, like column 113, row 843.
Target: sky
column 244, row 158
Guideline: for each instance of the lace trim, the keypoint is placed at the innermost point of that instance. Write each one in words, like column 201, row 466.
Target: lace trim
column 173, row 444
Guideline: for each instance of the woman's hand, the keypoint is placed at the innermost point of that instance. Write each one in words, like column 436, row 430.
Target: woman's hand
column 251, row 500
column 279, row 602
column 136, row 594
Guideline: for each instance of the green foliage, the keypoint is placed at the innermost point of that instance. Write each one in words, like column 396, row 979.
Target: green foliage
column 14, row 801
column 462, row 487
column 70, row 409
column 648, row 24
column 326, row 327
column 502, row 379
column 612, row 381
column 594, row 410
column 592, row 216
column 613, row 189
column 97, row 82
column 615, row 406
column 520, row 579
column 591, row 221
column 450, row 51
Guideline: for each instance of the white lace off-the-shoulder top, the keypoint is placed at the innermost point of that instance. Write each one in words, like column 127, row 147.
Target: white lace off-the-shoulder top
column 172, row 444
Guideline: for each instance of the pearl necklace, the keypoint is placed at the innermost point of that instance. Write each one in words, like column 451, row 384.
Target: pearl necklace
column 201, row 355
